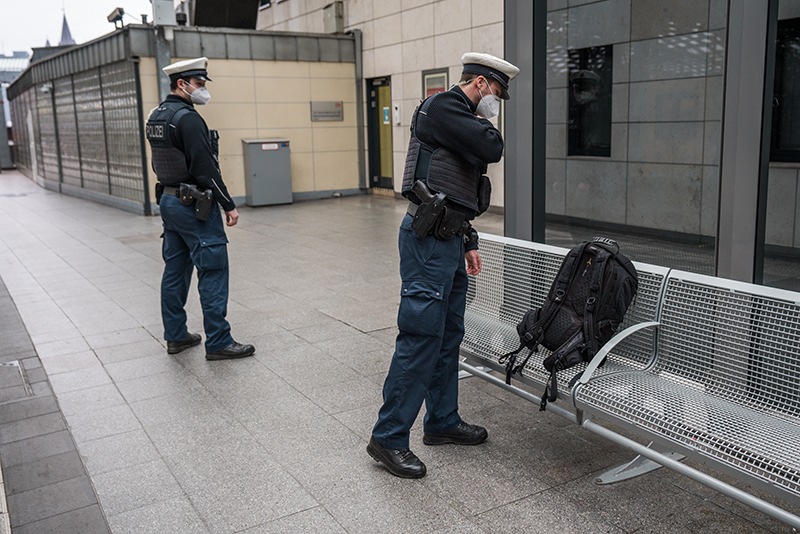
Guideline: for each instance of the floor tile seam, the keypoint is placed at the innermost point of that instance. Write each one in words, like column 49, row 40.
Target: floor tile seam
column 93, row 474
column 312, row 401
column 319, row 506
column 82, row 460
column 188, row 496
column 140, row 495
column 715, row 498
column 473, row 515
column 37, row 488
column 515, row 502
column 52, row 517
column 27, row 399
column 77, row 271
column 48, row 517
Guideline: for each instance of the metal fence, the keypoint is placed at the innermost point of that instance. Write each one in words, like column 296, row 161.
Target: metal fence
column 85, row 133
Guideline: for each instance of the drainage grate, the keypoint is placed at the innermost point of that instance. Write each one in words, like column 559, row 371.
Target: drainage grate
column 13, row 382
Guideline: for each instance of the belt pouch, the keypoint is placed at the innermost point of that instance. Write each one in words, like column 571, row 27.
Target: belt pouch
column 185, row 194
column 202, row 207
column 449, row 224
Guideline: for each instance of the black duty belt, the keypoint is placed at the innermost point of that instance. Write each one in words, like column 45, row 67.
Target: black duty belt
column 460, row 232
column 169, row 190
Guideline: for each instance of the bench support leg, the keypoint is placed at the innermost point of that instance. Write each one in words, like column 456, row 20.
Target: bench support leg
column 463, row 373
column 638, row 466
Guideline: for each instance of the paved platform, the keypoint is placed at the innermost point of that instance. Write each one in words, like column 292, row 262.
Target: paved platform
column 275, row 443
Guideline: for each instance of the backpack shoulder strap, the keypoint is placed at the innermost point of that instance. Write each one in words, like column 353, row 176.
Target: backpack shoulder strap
column 566, row 274
column 598, row 275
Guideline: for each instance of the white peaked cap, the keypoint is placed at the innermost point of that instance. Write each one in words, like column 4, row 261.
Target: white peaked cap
column 488, row 65
column 188, row 68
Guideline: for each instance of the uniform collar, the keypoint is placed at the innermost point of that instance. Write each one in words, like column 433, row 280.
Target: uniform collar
column 457, row 89
column 180, row 99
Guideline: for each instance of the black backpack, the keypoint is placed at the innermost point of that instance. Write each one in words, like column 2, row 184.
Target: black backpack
column 586, row 303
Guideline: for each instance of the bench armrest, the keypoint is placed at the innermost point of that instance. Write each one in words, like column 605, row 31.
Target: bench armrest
column 608, row 347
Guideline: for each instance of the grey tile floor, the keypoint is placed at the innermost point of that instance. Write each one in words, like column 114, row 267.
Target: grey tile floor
column 276, row 443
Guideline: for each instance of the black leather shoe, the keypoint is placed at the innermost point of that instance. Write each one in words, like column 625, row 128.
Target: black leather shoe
column 400, row 462
column 461, row 434
column 231, row 352
column 174, row 347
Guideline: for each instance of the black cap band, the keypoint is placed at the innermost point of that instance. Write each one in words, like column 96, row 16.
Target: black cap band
column 194, row 73
column 483, row 70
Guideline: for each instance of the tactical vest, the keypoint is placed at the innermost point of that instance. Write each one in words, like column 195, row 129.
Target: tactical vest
column 441, row 169
column 169, row 162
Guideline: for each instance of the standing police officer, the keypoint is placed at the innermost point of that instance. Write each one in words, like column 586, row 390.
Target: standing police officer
column 189, row 193
column 452, row 141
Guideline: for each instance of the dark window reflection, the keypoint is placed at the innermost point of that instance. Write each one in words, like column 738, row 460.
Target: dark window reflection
column 589, row 121
column 786, row 101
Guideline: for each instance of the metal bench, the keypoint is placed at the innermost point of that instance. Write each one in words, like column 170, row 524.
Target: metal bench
column 516, row 277
column 724, row 387
column 702, row 367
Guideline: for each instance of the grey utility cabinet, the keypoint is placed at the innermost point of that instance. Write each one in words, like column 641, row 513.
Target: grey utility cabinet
column 267, row 172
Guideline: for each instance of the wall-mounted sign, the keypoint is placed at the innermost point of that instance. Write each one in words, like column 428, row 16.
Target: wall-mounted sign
column 327, row 111
column 434, row 81
column 386, row 115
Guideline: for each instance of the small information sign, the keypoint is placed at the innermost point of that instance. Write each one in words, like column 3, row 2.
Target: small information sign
column 327, row 111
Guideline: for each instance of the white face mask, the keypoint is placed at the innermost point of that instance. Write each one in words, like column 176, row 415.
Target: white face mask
column 489, row 105
column 199, row 96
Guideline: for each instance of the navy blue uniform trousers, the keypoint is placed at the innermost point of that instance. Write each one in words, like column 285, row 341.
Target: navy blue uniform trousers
column 431, row 324
column 190, row 243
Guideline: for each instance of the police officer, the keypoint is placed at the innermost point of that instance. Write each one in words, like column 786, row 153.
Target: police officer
column 452, row 141
column 190, row 192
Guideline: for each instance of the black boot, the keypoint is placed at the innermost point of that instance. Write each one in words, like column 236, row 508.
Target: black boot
column 174, row 347
column 460, row 434
column 231, row 352
column 400, row 462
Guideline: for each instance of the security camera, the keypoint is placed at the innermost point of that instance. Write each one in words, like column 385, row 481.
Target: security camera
column 116, row 15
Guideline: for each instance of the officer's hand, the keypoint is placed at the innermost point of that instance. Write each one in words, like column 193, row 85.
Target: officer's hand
column 231, row 217
column 474, row 262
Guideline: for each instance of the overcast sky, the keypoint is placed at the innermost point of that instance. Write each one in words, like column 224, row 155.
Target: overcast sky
column 28, row 23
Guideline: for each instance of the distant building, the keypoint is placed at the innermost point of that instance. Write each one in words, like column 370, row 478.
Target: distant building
column 66, row 35
column 10, row 67
column 66, row 42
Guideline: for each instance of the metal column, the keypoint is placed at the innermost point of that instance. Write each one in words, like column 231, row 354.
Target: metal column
column 526, row 46
column 746, row 124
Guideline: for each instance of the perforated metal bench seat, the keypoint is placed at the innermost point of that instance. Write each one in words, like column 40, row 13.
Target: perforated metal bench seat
column 516, row 277
column 724, row 386
column 688, row 419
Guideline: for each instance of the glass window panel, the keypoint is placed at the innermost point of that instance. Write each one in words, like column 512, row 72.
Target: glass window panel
column 634, row 112
column 782, row 233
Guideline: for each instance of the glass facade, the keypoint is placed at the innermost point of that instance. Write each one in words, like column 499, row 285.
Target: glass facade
column 781, row 262
column 634, row 107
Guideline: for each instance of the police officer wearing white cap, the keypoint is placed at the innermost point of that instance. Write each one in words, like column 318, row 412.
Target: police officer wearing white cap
column 452, row 142
column 190, row 192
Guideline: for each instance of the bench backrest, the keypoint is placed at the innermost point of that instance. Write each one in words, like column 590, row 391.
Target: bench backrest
column 517, row 276
column 733, row 340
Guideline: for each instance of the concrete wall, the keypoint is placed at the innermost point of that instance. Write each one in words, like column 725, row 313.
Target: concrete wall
column 401, row 39
column 269, row 99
